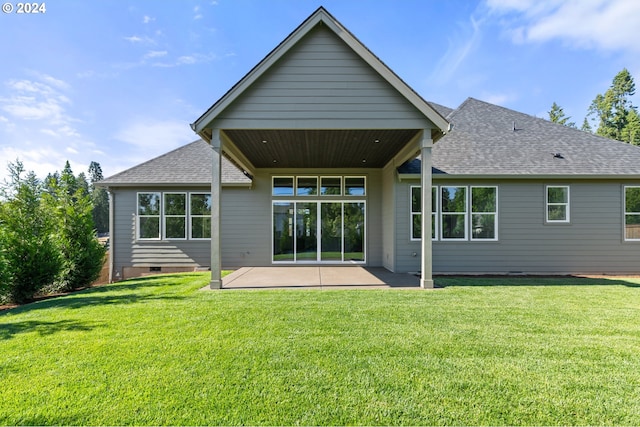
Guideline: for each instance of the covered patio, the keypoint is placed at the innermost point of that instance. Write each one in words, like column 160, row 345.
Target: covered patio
column 319, row 277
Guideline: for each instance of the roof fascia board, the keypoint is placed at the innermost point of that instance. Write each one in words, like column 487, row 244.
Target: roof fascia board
column 321, row 16
column 440, row 176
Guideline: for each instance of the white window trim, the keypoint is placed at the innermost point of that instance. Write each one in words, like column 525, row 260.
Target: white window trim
column 466, row 214
column 297, row 187
column 165, row 216
column 434, row 214
column 293, row 185
column 547, row 204
column 190, row 235
column 471, row 212
column 625, row 213
column 344, row 186
column 334, row 177
column 138, row 216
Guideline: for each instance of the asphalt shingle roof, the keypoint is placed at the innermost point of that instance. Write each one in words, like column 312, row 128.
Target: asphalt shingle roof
column 189, row 164
column 487, row 139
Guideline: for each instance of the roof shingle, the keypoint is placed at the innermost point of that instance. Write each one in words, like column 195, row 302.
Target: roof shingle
column 189, row 164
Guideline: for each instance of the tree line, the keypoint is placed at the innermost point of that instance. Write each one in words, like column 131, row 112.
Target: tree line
column 48, row 234
column 612, row 112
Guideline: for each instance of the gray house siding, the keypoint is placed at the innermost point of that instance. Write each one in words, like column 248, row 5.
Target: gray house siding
column 592, row 242
column 134, row 257
column 321, row 84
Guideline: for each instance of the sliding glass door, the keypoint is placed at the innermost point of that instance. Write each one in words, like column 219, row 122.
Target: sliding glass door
column 314, row 232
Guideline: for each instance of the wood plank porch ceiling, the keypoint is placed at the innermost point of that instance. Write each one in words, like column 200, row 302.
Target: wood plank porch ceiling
column 320, row 148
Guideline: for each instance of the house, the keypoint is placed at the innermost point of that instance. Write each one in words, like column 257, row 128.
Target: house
column 322, row 155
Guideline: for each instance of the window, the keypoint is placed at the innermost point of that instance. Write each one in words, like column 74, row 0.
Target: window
column 200, row 211
column 632, row 213
column 557, row 204
column 453, row 213
column 282, row 186
column 483, row 213
column 175, row 215
column 168, row 220
column 149, row 215
column 331, row 186
column 307, row 186
column 416, row 216
column 354, row 186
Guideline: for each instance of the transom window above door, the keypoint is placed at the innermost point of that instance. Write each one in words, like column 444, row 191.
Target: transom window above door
column 305, row 185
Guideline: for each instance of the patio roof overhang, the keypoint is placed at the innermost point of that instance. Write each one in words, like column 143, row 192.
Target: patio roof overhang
column 318, row 148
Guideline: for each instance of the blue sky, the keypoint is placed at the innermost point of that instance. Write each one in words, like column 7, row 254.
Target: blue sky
column 118, row 82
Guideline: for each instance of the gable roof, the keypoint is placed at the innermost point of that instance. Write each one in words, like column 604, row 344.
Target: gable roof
column 186, row 165
column 489, row 140
column 319, row 17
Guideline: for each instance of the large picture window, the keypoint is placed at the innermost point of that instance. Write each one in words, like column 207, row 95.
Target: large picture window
column 557, row 203
column 149, row 215
column 632, row 213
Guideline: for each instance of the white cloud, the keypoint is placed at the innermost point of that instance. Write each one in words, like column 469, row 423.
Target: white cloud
column 37, row 127
column 601, row 24
column 460, row 46
column 146, row 19
column 502, row 99
column 155, row 54
column 141, row 40
column 197, row 14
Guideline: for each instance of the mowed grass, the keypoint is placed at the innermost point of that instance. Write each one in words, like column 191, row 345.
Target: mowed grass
column 157, row 351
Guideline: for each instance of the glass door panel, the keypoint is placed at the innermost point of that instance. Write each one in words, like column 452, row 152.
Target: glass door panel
column 306, row 231
column 354, row 231
column 331, row 231
column 283, row 231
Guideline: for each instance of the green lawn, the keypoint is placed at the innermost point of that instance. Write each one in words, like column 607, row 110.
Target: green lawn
column 158, row 351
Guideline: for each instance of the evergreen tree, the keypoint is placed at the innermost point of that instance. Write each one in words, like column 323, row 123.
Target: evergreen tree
column 31, row 256
column 556, row 115
column 631, row 132
column 586, row 126
column 82, row 253
column 612, row 109
column 100, row 199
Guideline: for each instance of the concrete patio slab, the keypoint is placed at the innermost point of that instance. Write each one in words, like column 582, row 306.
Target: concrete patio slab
column 318, row 277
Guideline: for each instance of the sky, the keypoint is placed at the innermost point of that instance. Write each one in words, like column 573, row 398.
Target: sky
column 118, row 82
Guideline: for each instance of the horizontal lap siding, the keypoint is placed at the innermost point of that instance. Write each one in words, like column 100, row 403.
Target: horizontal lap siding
column 131, row 252
column 321, row 83
column 246, row 224
column 591, row 243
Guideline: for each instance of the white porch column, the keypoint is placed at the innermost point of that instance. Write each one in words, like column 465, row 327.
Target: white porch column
column 216, row 188
column 426, row 143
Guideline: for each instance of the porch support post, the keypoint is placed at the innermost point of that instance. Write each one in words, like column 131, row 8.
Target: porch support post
column 216, row 188
column 426, row 143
